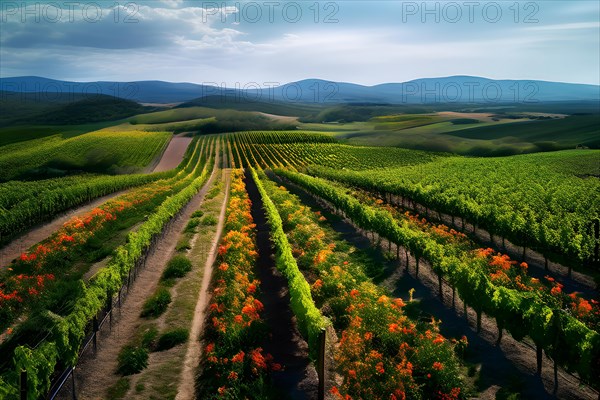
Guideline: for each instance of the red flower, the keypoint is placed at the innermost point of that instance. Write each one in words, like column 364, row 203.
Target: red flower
column 258, row 360
column 438, row 366
column 238, row 358
column 438, row 339
column 556, row 290
column 379, row 368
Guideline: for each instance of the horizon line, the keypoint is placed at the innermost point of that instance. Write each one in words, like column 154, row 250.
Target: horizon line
column 304, row 79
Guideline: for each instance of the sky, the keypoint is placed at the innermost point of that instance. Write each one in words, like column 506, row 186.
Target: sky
column 236, row 44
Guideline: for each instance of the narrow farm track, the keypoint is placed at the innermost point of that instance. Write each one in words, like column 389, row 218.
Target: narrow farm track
column 98, row 373
column 186, row 389
column 42, row 231
column 173, row 154
column 512, row 364
column 299, row 377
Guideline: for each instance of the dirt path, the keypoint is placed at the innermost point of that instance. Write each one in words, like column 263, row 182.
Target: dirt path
column 98, row 373
column 510, row 366
column 299, row 377
column 42, row 231
column 173, row 154
column 186, row 389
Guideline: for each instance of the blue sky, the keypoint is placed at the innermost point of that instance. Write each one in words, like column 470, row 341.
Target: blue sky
column 366, row 42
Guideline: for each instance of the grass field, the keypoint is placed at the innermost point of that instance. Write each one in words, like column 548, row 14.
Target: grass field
column 481, row 134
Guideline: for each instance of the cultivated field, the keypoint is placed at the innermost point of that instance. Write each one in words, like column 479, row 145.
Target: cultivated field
column 272, row 262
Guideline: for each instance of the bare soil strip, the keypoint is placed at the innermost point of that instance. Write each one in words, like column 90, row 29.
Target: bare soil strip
column 194, row 350
column 173, row 154
column 299, row 378
column 98, row 373
column 510, row 366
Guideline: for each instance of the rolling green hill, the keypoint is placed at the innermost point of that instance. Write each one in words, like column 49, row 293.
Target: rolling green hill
column 64, row 108
column 559, row 133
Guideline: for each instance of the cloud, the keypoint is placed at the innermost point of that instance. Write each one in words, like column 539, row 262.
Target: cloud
column 565, row 27
column 177, row 42
column 121, row 27
column 172, row 3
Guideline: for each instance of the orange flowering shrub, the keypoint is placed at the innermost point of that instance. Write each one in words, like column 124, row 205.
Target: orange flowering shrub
column 381, row 354
column 501, row 269
column 234, row 367
column 24, row 281
column 505, row 272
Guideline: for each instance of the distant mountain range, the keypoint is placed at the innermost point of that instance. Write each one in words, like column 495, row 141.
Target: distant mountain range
column 453, row 89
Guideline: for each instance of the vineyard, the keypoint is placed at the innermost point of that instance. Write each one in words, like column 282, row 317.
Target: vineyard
column 271, row 264
column 104, row 150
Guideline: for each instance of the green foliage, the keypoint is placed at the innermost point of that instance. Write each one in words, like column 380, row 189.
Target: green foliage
column 563, row 337
column 131, row 360
column 197, row 214
column 69, row 331
column 119, row 389
column 149, row 338
column 361, row 309
column 172, row 338
column 39, row 364
column 310, row 320
column 191, row 225
column 212, row 193
column 543, row 201
column 301, row 149
column 7, row 391
column 156, row 304
column 183, row 244
column 26, row 203
column 209, row 220
column 177, row 267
